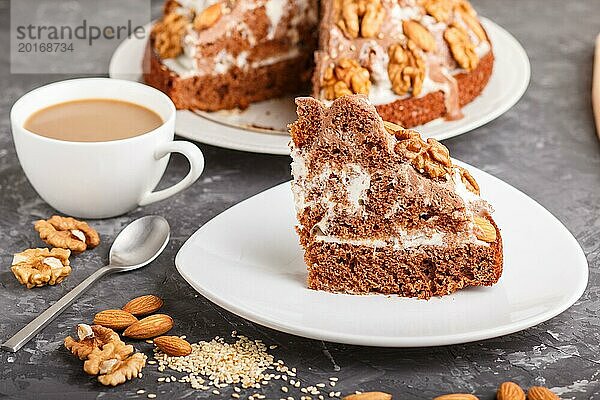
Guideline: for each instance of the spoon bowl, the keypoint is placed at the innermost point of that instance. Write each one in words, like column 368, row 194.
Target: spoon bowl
column 139, row 243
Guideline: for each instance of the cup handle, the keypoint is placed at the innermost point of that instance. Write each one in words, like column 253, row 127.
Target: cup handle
column 196, row 160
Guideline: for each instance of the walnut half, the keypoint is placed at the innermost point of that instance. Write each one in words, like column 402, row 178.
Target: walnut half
column 90, row 338
column 347, row 77
column 360, row 17
column 463, row 50
column 406, row 68
column 67, row 233
column 114, row 363
column 428, row 157
column 168, row 34
column 39, row 267
column 105, row 354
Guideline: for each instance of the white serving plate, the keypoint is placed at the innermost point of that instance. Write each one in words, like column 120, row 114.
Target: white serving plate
column 248, row 261
column 262, row 127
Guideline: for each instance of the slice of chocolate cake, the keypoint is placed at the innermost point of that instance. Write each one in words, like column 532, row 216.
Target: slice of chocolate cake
column 381, row 210
column 416, row 60
column 223, row 54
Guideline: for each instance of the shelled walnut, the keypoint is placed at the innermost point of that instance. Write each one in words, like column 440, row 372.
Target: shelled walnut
column 39, row 267
column 90, row 338
column 67, row 233
column 114, row 363
column 463, row 50
column 105, row 354
column 168, row 34
column 360, row 18
column 406, row 68
column 468, row 180
column 429, row 157
column 347, row 77
column 443, row 10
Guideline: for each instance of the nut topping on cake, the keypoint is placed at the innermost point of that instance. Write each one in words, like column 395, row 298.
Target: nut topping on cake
column 473, row 23
column 208, row 17
column 419, row 35
column 468, row 180
column 441, row 10
column 360, row 17
column 431, row 157
column 348, row 77
column 484, row 230
column 406, row 68
column 168, row 35
column 461, row 47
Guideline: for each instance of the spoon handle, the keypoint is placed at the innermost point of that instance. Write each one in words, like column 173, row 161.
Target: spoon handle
column 31, row 329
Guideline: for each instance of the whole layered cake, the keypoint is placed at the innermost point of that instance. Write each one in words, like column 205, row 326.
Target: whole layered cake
column 224, row 54
column 380, row 210
column 416, row 60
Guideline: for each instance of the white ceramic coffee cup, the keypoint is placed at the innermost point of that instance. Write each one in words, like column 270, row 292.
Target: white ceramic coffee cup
column 100, row 179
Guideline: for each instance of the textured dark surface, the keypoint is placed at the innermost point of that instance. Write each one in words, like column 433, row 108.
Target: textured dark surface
column 545, row 146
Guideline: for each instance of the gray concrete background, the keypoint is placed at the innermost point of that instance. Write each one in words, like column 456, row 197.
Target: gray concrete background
column 545, row 146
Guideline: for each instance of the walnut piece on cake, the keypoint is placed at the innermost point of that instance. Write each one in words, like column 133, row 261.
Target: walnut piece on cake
column 406, row 68
column 168, row 34
column 67, row 233
column 360, row 18
column 40, row 267
column 463, row 49
column 348, row 77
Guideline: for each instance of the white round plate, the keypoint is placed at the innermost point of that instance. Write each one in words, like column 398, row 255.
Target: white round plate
column 262, row 127
column 248, row 261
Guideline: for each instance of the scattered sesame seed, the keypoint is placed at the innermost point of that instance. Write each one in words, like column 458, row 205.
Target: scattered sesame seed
column 333, row 378
column 161, row 379
column 151, row 396
column 235, row 395
column 284, row 389
column 141, row 391
column 151, row 362
column 149, row 341
column 215, row 391
column 321, row 385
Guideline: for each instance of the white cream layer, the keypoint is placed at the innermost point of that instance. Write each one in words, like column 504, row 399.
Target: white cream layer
column 405, row 241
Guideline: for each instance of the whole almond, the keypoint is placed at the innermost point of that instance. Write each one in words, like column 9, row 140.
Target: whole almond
column 419, row 34
column 149, row 327
column 369, row 396
column 541, row 393
column 484, row 231
column 457, row 396
column 510, row 391
column 173, row 345
column 114, row 319
column 143, row 305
